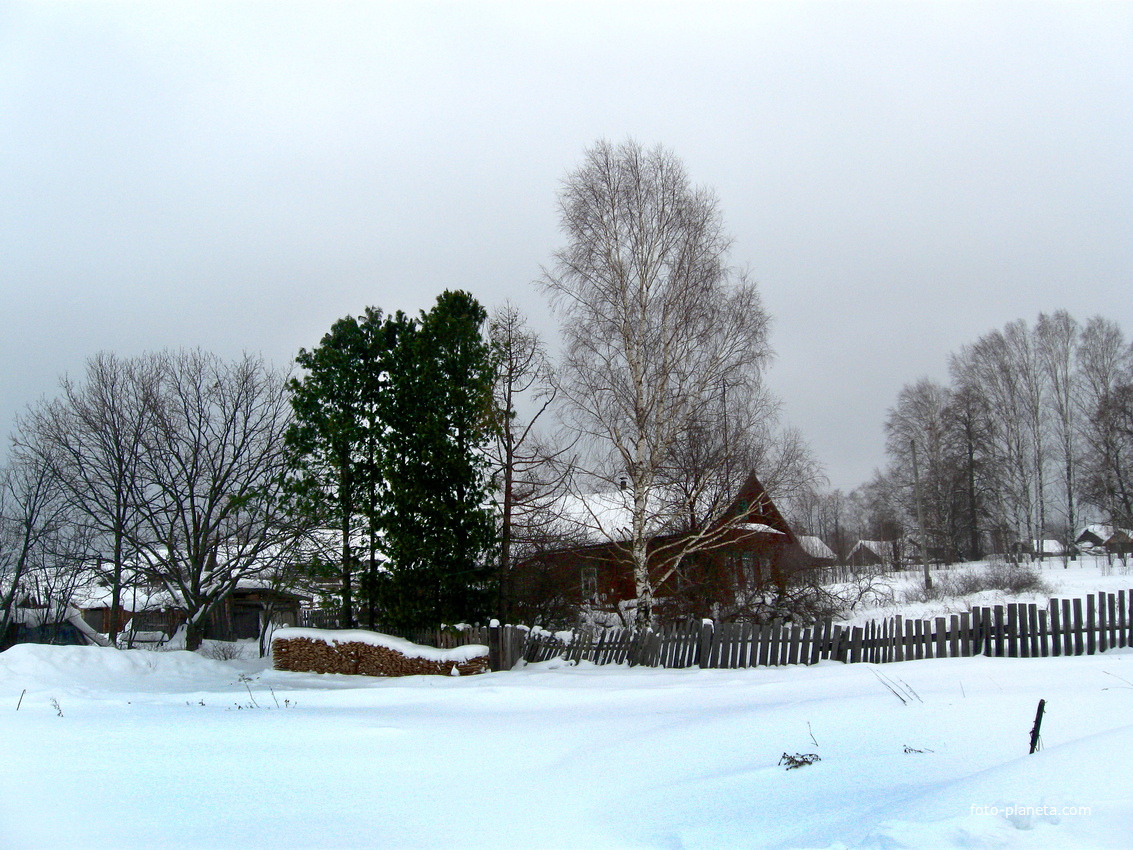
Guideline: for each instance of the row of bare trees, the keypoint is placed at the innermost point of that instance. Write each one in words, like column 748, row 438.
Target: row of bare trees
column 163, row 468
column 1030, row 439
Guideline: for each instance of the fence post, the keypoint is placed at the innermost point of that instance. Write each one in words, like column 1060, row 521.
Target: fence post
column 705, row 644
column 494, row 646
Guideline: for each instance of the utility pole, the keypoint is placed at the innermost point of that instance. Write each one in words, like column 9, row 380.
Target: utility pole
column 920, row 516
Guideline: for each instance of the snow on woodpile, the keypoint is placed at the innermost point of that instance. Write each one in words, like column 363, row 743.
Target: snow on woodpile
column 359, row 652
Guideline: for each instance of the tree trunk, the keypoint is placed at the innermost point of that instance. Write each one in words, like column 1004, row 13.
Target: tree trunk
column 194, row 634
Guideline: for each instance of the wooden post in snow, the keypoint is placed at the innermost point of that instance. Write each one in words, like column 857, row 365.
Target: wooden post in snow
column 1038, row 725
column 920, row 517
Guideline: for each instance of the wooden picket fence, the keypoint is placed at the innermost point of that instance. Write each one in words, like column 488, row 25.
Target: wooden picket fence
column 1082, row 626
column 1017, row 630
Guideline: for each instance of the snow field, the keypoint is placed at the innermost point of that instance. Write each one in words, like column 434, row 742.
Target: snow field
column 553, row 756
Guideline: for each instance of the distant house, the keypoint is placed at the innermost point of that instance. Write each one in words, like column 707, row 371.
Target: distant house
column 1101, row 539
column 937, row 554
column 875, row 553
column 1120, row 542
column 60, row 625
column 51, row 604
column 819, row 553
column 753, row 548
column 240, row 616
column 1093, row 536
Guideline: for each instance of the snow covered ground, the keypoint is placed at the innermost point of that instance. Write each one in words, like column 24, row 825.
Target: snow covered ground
column 141, row 749
column 896, row 593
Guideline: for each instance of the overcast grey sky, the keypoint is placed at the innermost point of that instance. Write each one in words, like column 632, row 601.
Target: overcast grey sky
column 899, row 177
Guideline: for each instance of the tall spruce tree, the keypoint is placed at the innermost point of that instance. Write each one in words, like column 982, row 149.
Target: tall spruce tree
column 440, row 533
column 335, row 445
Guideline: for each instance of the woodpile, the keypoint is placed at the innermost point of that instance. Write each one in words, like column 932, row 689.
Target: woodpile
column 306, row 655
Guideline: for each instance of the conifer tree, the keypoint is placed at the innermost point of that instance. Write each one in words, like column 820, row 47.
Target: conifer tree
column 440, row 533
column 335, row 442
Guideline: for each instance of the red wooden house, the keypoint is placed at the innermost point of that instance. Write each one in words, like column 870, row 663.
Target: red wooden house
column 747, row 550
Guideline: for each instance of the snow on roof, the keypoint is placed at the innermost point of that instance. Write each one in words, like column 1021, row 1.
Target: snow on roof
column 814, row 547
column 598, row 517
column 405, row 647
column 34, row 617
column 1096, row 529
column 757, row 527
column 877, row 547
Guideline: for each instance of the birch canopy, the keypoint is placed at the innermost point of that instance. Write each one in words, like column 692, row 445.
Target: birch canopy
column 655, row 323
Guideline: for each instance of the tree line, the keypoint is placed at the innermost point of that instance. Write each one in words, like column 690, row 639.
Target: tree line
column 418, row 462
column 1031, row 438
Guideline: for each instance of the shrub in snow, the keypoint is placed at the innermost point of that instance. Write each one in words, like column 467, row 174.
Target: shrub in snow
column 798, row 760
column 222, row 650
column 1013, row 579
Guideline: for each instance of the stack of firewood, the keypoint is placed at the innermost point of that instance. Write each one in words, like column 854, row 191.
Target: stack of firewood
column 306, row 655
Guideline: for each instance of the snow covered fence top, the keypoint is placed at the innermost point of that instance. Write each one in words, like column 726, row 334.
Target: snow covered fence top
column 355, row 651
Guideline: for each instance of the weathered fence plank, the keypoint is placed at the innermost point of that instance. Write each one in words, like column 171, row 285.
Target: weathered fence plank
column 1111, row 610
column 1091, row 625
column 1067, row 628
column 1055, row 628
column 704, row 657
column 796, row 637
column 819, row 639
column 855, row 644
column 1078, row 647
column 776, row 639
column 1121, row 621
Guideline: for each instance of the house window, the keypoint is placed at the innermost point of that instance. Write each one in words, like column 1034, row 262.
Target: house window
column 748, row 566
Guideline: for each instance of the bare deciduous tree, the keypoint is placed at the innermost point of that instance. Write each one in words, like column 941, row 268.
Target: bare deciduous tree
column 654, row 322
column 1105, row 364
column 33, row 514
column 94, row 431
column 211, row 475
column 529, row 474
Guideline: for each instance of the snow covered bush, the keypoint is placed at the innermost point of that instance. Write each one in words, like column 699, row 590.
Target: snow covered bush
column 1013, row 579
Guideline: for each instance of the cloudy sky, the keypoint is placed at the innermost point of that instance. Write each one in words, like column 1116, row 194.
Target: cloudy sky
column 899, row 177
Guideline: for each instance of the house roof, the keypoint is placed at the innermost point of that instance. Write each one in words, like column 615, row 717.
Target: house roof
column 1097, row 531
column 814, row 547
column 876, row 547
column 608, row 516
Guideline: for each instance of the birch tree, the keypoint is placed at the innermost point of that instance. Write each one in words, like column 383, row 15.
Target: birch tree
column 653, row 321
column 1056, row 340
